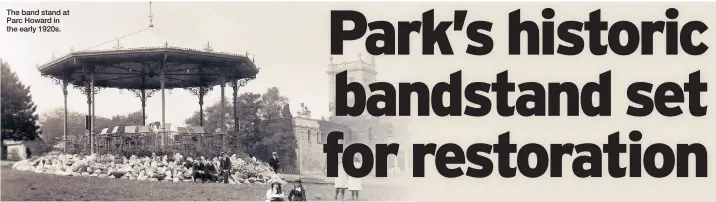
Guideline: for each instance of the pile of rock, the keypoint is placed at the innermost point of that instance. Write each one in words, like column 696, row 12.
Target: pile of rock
column 158, row 168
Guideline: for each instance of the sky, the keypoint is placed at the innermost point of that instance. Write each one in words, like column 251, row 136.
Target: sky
column 278, row 44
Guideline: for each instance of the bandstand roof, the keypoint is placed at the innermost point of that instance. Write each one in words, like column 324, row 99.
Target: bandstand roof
column 138, row 68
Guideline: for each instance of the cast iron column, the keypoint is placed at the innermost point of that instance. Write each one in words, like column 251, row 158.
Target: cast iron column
column 64, row 128
column 223, row 106
column 223, row 133
column 89, row 91
column 162, row 81
column 143, row 98
column 201, row 106
column 235, row 87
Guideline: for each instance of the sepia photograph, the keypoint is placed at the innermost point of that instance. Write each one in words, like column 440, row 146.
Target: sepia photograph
column 162, row 101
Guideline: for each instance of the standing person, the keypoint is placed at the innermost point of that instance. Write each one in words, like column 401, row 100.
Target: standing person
column 274, row 193
column 355, row 185
column 298, row 193
column 274, row 162
column 341, row 182
column 225, row 168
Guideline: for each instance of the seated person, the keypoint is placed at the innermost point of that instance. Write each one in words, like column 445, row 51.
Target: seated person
column 199, row 171
column 188, row 163
column 211, row 171
column 298, row 193
column 274, row 193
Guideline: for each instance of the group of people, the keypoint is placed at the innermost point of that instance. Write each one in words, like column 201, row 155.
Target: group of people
column 344, row 182
column 275, row 193
column 216, row 170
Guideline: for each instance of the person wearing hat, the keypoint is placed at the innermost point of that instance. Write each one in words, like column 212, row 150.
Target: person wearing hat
column 298, row 193
column 274, row 162
column 274, row 193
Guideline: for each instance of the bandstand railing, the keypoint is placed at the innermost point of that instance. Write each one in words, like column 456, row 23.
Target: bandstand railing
column 193, row 142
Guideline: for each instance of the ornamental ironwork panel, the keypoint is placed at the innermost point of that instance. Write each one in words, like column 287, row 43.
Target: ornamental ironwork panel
column 194, row 144
column 146, row 144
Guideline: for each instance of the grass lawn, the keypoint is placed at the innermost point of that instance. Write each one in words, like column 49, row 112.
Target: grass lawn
column 23, row 185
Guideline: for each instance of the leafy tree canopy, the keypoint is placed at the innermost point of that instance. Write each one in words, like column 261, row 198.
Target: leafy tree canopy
column 19, row 121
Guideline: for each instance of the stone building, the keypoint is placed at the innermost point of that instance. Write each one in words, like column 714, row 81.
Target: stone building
column 19, row 150
column 311, row 133
column 310, row 137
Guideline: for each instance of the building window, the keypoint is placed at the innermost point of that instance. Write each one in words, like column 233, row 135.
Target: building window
column 308, row 132
column 318, row 137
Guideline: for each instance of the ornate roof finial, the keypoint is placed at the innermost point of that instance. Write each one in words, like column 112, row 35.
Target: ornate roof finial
column 166, row 44
column 118, row 46
column 304, row 112
column 151, row 16
column 72, row 49
column 208, row 47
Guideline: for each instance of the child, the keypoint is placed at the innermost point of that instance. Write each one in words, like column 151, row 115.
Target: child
column 297, row 193
column 341, row 182
column 274, row 193
column 354, row 184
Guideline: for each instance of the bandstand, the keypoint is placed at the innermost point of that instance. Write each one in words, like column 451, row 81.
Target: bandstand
column 145, row 71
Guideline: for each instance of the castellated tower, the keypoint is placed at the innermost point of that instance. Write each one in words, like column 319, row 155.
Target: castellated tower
column 361, row 70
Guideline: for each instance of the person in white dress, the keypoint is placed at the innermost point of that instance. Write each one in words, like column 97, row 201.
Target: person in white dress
column 355, row 185
column 274, row 193
column 341, row 182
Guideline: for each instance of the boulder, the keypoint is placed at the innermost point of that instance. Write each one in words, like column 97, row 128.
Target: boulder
column 79, row 166
column 141, row 168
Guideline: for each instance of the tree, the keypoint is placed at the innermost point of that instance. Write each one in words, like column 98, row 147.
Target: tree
column 19, row 121
column 286, row 112
column 212, row 117
column 52, row 123
column 247, row 110
column 272, row 103
column 276, row 129
column 155, row 124
column 265, row 125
